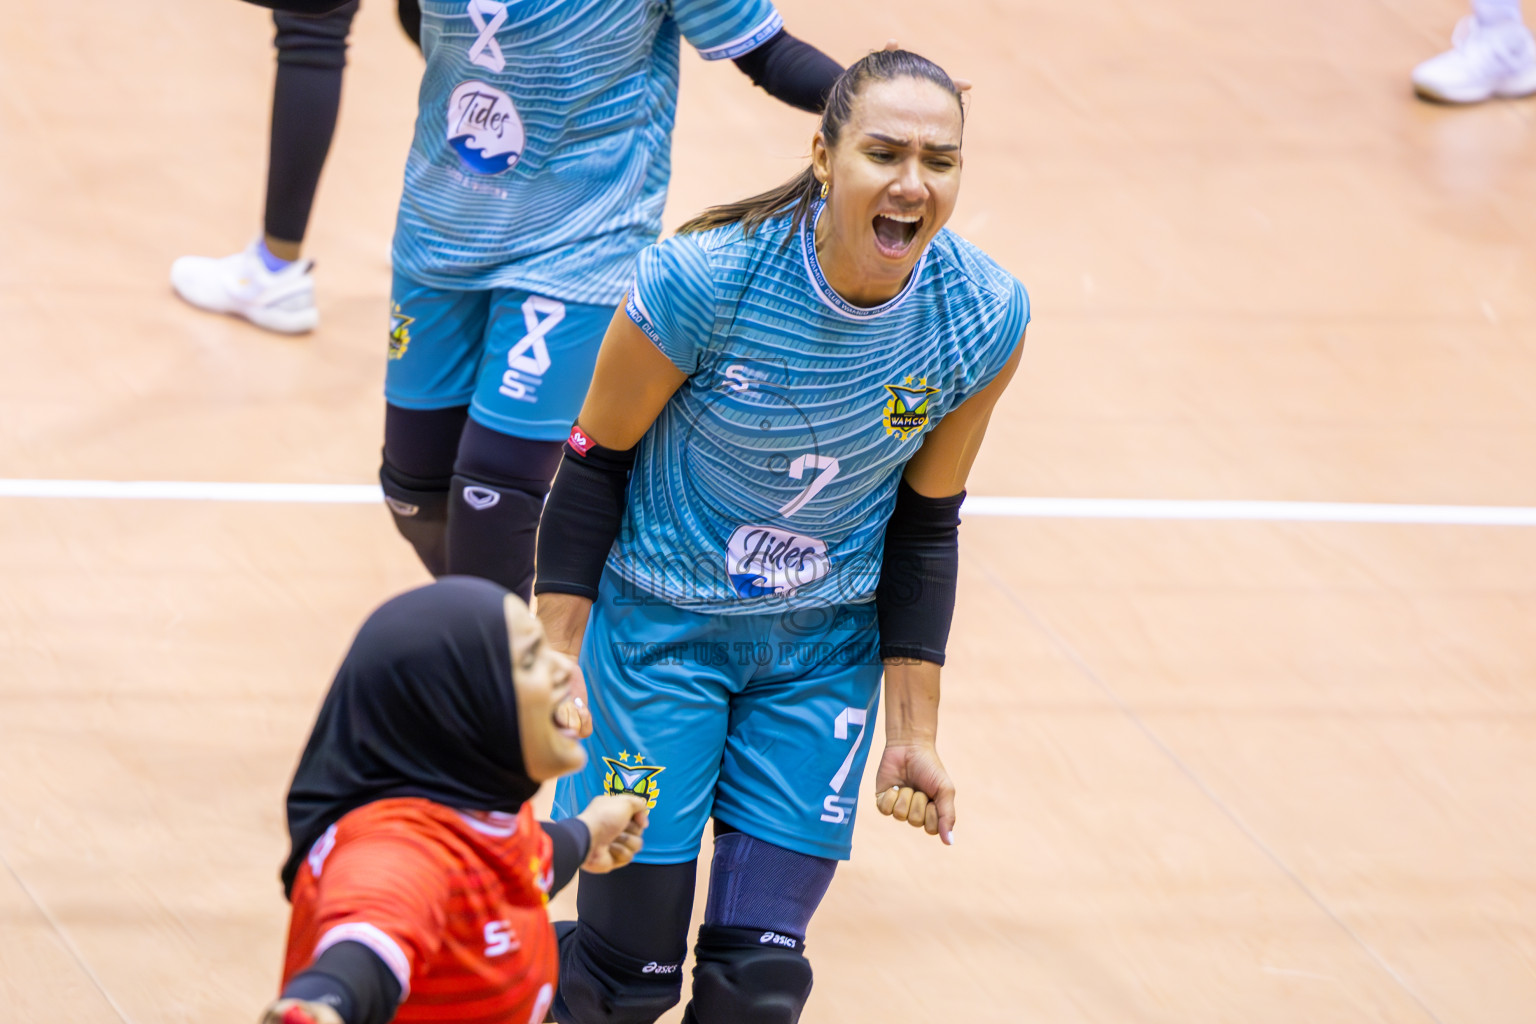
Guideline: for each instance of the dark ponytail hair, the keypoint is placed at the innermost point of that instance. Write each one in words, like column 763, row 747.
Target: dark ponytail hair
column 802, row 191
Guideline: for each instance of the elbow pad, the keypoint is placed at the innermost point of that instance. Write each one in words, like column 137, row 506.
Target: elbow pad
column 582, row 517
column 915, row 599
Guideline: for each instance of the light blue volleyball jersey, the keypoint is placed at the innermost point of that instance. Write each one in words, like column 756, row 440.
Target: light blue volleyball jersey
column 543, row 142
column 768, row 478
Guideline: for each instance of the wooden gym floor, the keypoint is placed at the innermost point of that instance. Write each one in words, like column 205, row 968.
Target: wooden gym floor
column 1210, row 770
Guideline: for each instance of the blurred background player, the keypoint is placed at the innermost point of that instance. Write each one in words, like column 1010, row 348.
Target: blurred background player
column 418, row 874
column 538, row 171
column 1491, row 55
column 268, row 282
column 771, row 461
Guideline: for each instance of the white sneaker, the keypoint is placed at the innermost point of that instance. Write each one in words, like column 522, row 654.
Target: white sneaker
column 241, row 284
column 1484, row 61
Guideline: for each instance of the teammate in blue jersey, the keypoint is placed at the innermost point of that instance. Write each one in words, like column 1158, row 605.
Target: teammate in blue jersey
column 538, row 171
column 758, row 507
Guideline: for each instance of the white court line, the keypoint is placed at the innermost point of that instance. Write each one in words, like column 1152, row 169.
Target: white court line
column 193, row 490
column 976, row 505
column 1259, row 511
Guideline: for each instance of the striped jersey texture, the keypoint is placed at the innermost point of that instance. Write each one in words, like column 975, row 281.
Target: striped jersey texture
column 543, row 141
column 767, row 480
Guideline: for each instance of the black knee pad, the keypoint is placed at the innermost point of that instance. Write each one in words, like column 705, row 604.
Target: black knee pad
column 314, row 40
column 505, row 460
column 492, row 531
column 600, row 985
column 420, row 509
column 499, row 484
column 747, row 976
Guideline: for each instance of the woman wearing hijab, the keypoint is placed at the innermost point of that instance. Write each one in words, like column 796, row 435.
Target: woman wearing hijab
column 418, row 873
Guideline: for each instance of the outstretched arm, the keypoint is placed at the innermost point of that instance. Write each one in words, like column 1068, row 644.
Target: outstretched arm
column 916, row 601
column 791, row 70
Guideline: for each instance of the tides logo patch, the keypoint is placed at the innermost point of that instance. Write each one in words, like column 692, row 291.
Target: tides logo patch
column 399, row 333
column 484, row 128
column 638, row 779
column 907, row 411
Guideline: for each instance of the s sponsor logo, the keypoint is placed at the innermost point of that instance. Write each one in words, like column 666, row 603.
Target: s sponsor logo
column 837, row 810
column 736, row 378
column 762, row 560
column 500, row 939
column 775, row 939
column 484, row 128
column 403, row 509
column 655, row 968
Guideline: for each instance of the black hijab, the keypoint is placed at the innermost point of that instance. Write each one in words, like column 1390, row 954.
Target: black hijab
column 422, row 706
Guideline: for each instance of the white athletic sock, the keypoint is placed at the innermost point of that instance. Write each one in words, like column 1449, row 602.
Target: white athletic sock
column 1496, row 12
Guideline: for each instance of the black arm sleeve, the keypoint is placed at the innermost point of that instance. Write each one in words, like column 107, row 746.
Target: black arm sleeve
column 915, row 599
column 581, row 520
column 572, row 842
column 352, row 980
column 791, row 70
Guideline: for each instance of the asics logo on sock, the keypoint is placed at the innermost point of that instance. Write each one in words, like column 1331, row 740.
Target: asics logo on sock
column 775, row 939
column 479, row 498
column 402, row 508
column 655, row 968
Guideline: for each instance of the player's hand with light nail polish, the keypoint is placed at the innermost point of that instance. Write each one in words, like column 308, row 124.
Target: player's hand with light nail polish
column 299, row 1011
column 912, row 785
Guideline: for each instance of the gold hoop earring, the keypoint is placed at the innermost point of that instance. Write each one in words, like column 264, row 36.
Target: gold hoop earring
column 825, row 187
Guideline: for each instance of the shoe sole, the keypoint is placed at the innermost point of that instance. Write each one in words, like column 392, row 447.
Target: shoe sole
column 278, row 321
column 1520, row 88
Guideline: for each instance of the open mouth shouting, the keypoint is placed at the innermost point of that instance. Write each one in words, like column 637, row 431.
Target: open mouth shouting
column 895, row 233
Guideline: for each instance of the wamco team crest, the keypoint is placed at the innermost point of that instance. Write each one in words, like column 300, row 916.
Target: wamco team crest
column 638, row 779
column 399, row 333
column 907, row 411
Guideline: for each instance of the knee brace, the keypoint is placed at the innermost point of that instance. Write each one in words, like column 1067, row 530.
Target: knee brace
column 420, row 510
column 491, row 532
column 314, row 40
column 600, row 985
column 499, row 484
column 756, row 885
column 747, row 976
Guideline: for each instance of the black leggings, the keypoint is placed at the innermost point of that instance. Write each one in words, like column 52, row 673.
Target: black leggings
column 311, row 55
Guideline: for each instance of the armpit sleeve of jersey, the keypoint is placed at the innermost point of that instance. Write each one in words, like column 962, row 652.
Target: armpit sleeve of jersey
column 1006, row 337
column 389, row 894
column 726, row 29
column 673, row 300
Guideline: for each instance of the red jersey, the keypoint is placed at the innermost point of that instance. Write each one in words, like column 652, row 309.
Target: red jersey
column 452, row 901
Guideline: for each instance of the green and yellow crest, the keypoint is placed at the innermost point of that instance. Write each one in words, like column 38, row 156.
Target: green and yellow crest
column 907, row 411
column 637, row 779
